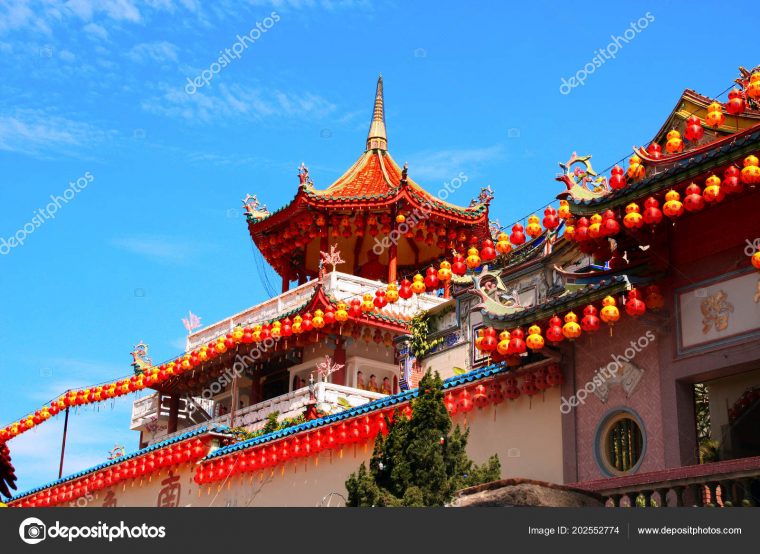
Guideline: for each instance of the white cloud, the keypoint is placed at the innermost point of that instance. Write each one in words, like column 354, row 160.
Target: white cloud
column 158, row 248
column 154, row 51
column 446, row 164
column 96, row 31
column 36, row 132
column 224, row 102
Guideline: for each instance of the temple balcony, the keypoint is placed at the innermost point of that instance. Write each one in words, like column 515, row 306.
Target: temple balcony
column 718, row 484
column 151, row 417
column 339, row 286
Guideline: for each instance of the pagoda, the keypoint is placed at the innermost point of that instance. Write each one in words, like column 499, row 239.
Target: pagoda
column 374, row 199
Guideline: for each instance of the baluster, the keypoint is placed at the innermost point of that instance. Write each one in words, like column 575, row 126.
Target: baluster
column 679, row 495
column 713, row 488
column 663, row 494
column 615, row 500
column 745, row 485
column 727, row 493
column 697, row 491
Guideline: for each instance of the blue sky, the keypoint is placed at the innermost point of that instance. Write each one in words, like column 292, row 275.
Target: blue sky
column 98, row 87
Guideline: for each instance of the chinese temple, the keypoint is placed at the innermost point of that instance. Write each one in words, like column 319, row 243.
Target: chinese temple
column 611, row 344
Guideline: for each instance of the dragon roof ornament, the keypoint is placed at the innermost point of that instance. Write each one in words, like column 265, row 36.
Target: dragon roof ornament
column 581, row 180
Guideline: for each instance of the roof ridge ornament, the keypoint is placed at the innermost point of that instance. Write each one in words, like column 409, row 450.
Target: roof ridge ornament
column 377, row 138
column 404, row 173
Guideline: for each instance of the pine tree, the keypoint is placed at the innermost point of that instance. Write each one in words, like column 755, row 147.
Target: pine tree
column 422, row 461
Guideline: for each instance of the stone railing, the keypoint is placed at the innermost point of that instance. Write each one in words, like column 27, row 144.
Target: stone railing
column 341, row 286
column 331, row 398
column 723, row 484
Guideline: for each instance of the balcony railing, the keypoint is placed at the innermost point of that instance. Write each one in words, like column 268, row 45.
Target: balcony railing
column 340, row 286
column 331, row 398
column 719, row 484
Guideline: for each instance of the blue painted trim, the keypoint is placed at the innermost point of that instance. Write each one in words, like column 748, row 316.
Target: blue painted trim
column 151, row 448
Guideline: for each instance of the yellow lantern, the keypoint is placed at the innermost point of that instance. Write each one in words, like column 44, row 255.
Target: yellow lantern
column 633, row 219
column 400, row 218
column 715, row 116
column 636, row 170
column 594, row 230
column 277, row 330
column 237, row 333
column 503, row 345
column 712, row 192
column 569, row 232
column 391, row 295
column 753, row 88
column 571, row 329
column 256, row 334
column 418, row 284
column 751, row 171
column 564, row 209
column 473, row 258
column 444, row 272
column 502, row 244
column 610, row 313
column 673, row 206
column 534, row 341
column 297, row 326
column 533, row 229
column 318, row 321
column 674, row 143
column 341, row 314
column 367, row 303
column 756, row 259
column 220, row 346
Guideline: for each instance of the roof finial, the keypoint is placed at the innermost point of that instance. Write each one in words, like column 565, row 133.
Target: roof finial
column 376, row 138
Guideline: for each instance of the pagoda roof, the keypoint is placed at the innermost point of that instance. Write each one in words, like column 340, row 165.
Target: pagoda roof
column 673, row 170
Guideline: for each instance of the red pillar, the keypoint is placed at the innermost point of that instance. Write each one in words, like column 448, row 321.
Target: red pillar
column 447, row 289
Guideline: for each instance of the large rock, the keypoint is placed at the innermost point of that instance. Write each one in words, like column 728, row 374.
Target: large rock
column 524, row 492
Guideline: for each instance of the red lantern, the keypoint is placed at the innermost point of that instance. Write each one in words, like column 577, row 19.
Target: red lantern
column 590, row 322
column 731, row 180
column 529, row 385
column 554, row 332
column 495, row 393
column 518, row 235
column 635, row 306
column 516, row 343
column 458, row 267
column 355, row 308
column 450, row 403
column 610, row 226
column 480, row 396
column 736, row 103
column 464, row 402
column 550, row 221
column 554, row 375
column 617, row 180
column 652, row 212
column 694, row 130
column 431, row 279
column 487, row 251
column 693, row 202
column 539, row 378
column 405, row 291
column 489, row 342
column 655, row 151
column 380, row 301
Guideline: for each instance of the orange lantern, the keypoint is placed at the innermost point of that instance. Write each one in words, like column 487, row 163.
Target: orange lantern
column 564, row 209
column 502, row 244
column 673, row 206
column 751, row 171
column 391, row 294
column 633, row 219
column 610, row 313
column 674, row 143
column 571, row 330
column 503, row 346
column 712, row 192
column 473, row 258
column 444, row 271
column 715, row 116
column 418, row 284
column 534, row 341
column 636, row 169
column 533, row 229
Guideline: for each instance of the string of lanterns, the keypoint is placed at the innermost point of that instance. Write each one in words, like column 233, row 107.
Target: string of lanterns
column 304, row 328
column 694, row 199
column 510, row 344
column 135, row 470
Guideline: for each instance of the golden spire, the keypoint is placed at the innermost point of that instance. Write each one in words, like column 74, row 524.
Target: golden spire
column 376, row 138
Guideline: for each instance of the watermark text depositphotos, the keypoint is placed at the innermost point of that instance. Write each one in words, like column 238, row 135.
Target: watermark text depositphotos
column 42, row 215
column 609, row 52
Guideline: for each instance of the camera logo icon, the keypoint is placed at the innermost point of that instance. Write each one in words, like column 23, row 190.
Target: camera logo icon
column 32, row 530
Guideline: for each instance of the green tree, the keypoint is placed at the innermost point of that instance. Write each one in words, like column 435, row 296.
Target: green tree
column 422, row 461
